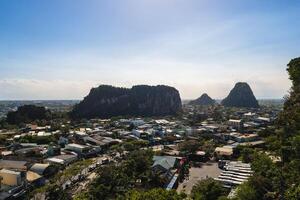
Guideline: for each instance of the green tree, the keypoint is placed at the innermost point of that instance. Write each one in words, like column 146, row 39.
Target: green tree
column 208, row 189
column 116, row 180
column 208, row 147
column 138, row 165
column 57, row 193
column 81, row 196
column 132, row 145
column 189, row 146
column 293, row 193
column 246, row 153
column 112, row 180
column 246, row 192
column 153, row 194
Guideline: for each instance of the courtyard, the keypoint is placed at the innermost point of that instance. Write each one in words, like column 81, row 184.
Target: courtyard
column 203, row 171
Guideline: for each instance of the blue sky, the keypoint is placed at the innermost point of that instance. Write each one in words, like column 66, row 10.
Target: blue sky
column 59, row 49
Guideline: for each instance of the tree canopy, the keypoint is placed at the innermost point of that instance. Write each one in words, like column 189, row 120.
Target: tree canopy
column 116, row 180
column 189, row 146
column 208, row 189
column 153, row 194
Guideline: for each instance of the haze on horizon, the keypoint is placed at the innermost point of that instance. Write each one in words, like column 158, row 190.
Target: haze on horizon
column 59, row 49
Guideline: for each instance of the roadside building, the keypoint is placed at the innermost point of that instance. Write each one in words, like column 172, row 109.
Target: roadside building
column 235, row 123
column 13, row 165
column 169, row 168
column 64, row 159
column 77, row 148
column 138, row 133
column 263, row 120
column 224, row 152
column 238, row 137
column 249, row 115
column 34, row 178
column 11, row 178
column 43, row 134
column 43, row 169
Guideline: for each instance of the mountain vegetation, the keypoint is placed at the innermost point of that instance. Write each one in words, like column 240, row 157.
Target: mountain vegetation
column 241, row 96
column 141, row 100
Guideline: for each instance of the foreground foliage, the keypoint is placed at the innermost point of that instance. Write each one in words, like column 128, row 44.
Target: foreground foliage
column 279, row 180
column 208, row 189
column 153, row 194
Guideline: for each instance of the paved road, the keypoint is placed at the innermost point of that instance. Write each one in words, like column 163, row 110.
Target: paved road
column 209, row 169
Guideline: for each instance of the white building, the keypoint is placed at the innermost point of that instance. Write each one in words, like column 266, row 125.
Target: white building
column 236, row 123
column 77, row 148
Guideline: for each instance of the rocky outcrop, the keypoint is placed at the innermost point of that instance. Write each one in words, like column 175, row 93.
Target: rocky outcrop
column 141, row 100
column 241, row 96
column 204, row 100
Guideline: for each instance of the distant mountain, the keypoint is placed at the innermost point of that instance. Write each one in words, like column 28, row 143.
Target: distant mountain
column 141, row 100
column 241, row 96
column 27, row 114
column 203, row 100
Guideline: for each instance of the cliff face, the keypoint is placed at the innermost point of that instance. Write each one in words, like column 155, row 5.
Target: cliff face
column 142, row 100
column 203, row 100
column 241, row 96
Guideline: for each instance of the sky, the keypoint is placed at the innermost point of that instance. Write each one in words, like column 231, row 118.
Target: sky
column 60, row 49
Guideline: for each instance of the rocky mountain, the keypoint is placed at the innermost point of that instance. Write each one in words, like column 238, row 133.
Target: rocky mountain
column 241, row 96
column 141, row 100
column 204, row 99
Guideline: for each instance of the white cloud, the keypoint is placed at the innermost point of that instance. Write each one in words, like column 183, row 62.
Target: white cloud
column 25, row 89
column 28, row 89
